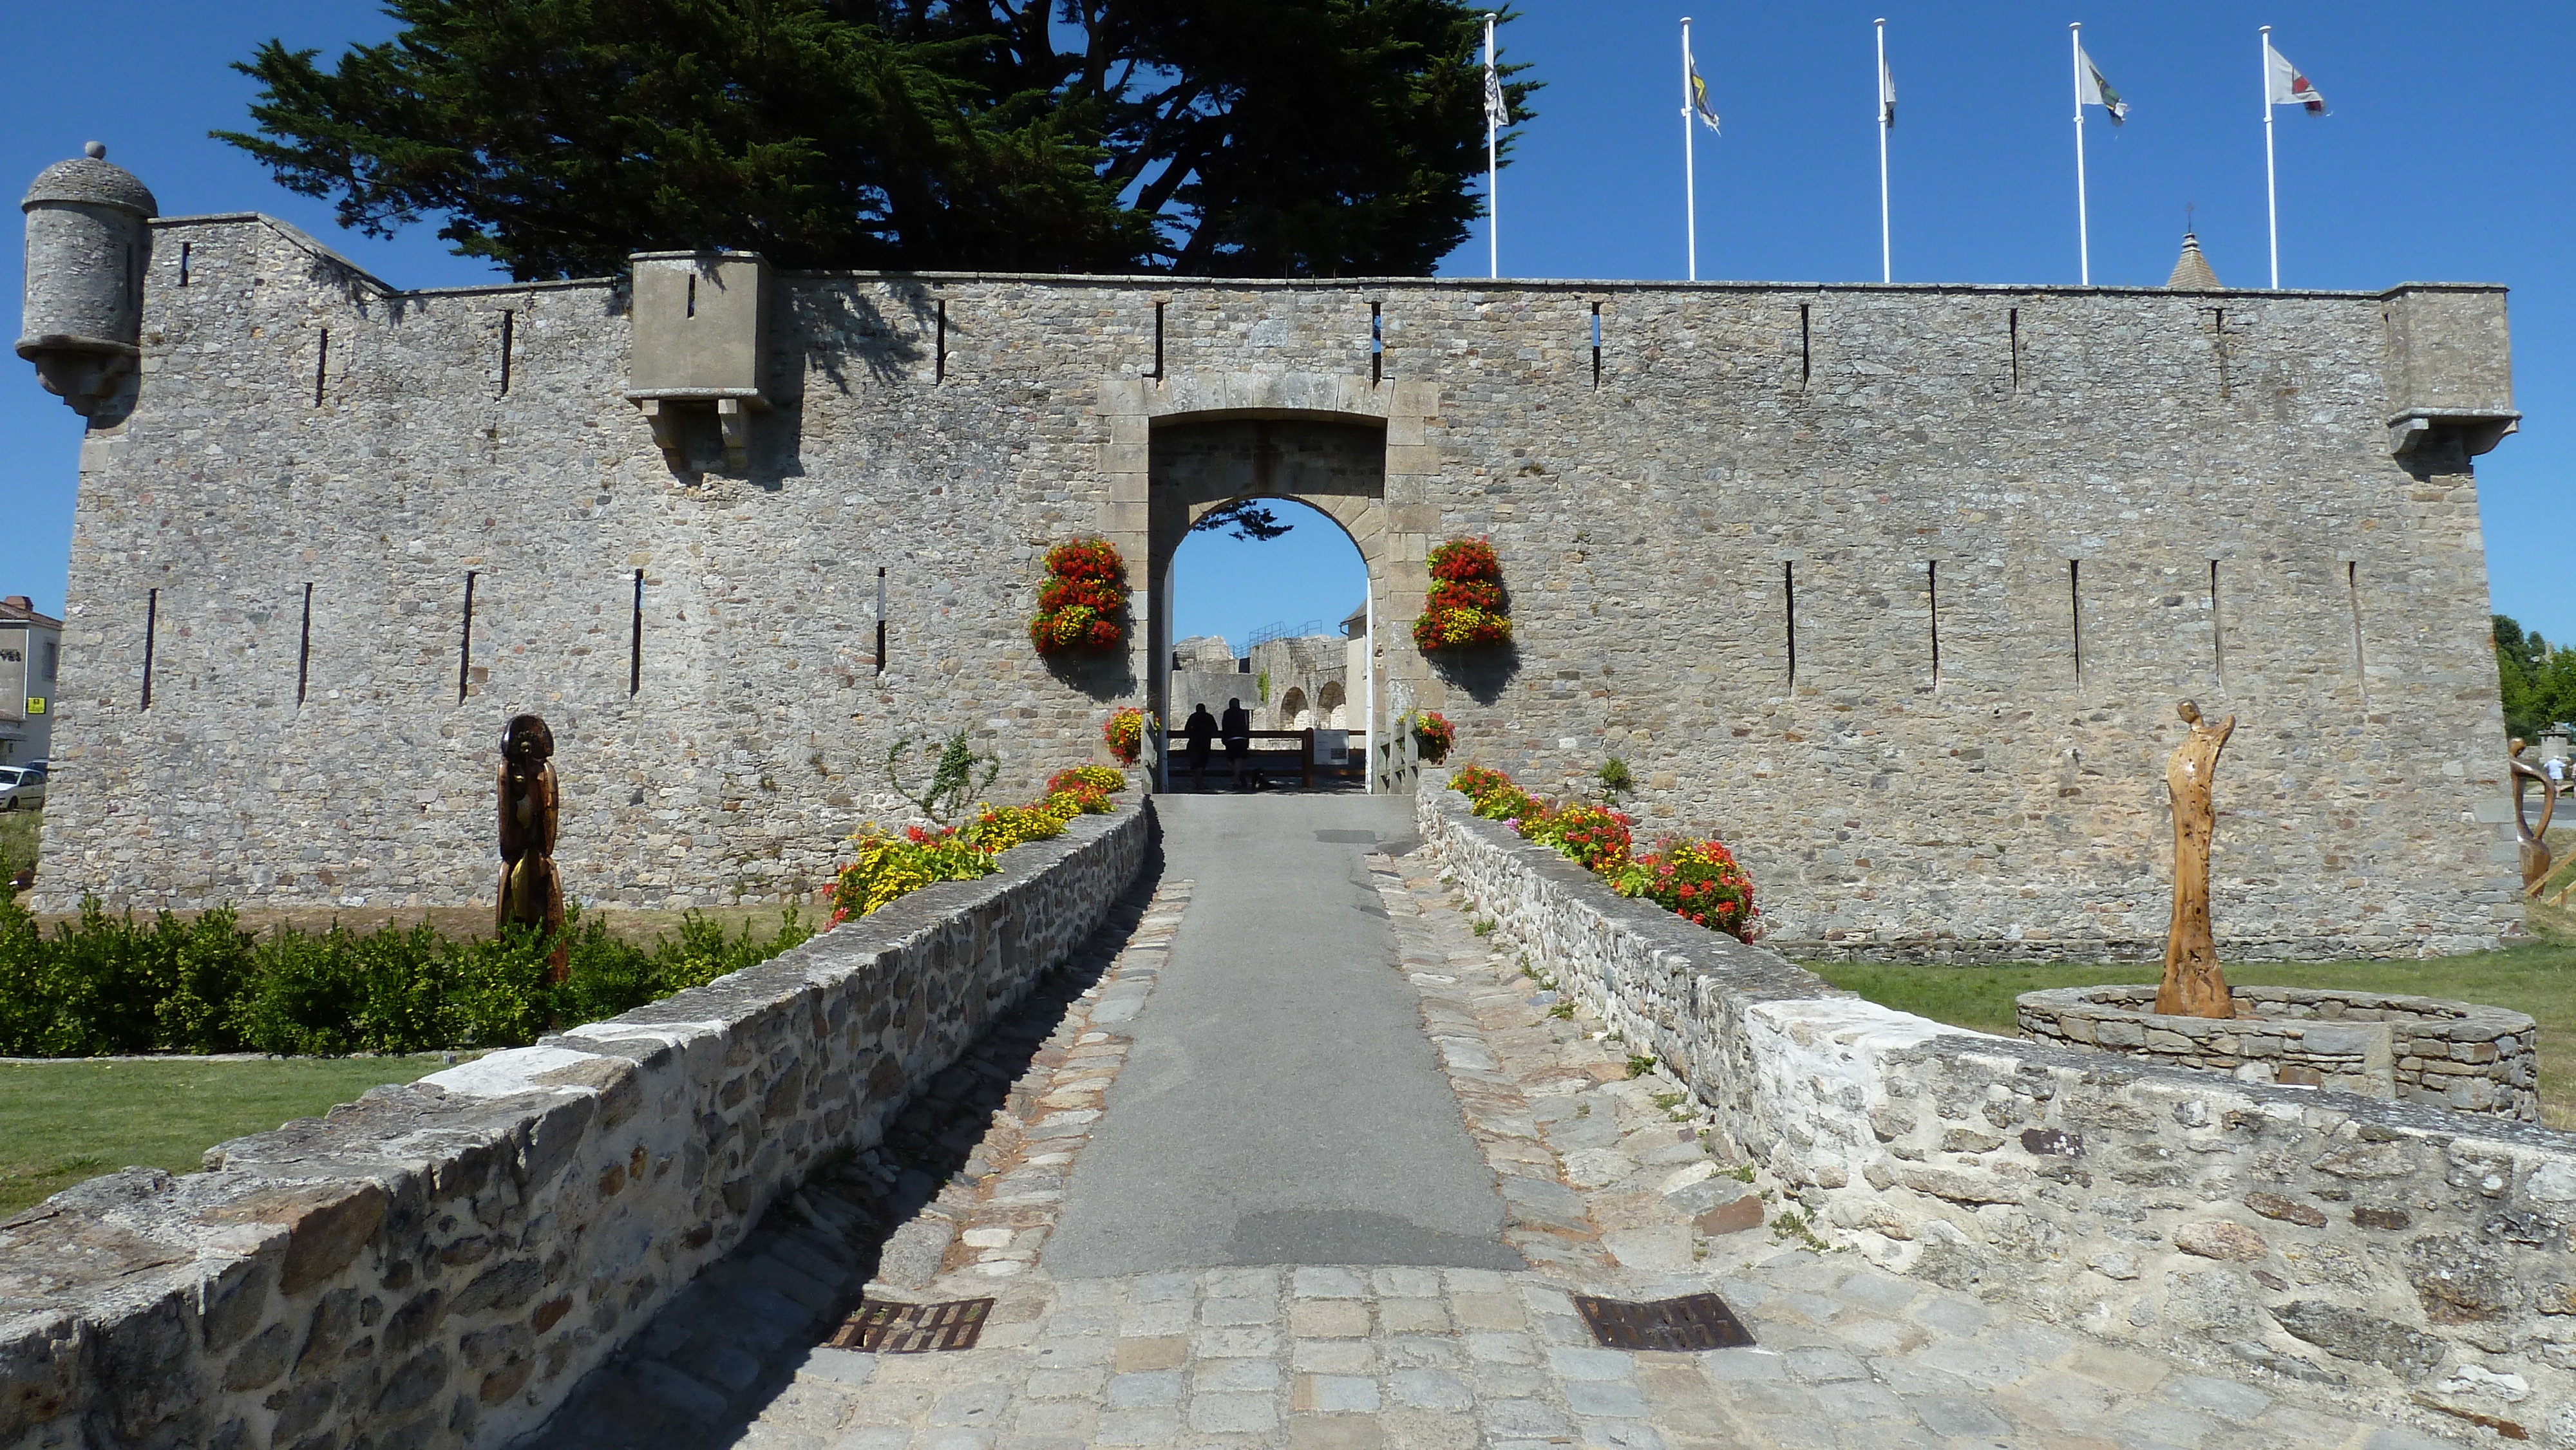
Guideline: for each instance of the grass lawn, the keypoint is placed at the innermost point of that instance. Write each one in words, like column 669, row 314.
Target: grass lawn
column 62, row 1122
column 2538, row 978
column 18, row 831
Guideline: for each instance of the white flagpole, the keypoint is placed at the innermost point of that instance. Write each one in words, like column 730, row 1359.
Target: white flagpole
column 1690, row 172
column 2083, row 236
column 2271, row 195
column 1886, row 266
column 1493, row 199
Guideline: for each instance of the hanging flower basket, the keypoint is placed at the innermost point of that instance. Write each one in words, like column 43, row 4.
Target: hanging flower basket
column 1432, row 736
column 1124, row 732
column 1082, row 606
column 1466, row 608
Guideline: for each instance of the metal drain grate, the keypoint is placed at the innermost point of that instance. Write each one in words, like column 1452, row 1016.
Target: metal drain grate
column 913, row 1328
column 1694, row 1321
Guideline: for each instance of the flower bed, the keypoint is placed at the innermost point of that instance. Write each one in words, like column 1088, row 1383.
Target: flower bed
column 1465, row 608
column 893, row 865
column 1696, row 880
column 1083, row 604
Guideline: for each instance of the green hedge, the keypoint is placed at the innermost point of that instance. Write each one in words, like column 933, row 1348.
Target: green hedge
column 111, row 985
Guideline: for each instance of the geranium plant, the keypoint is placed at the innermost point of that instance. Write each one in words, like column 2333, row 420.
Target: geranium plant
column 1465, row 608
column 1082, row 606
column 894, row 865
column 1432, row 736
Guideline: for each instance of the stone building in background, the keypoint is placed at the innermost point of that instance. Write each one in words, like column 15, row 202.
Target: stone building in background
column 31, row 647
column 1894, row 588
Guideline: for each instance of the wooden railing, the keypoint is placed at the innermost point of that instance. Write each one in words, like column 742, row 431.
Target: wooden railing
column 1301, row 760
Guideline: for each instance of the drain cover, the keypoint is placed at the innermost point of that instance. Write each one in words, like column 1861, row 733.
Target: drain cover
column 1694, row 1321
column 913, row 1328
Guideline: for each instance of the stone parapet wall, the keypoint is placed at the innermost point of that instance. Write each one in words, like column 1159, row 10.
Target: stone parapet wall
column 438, row 1264
column 2419, row 1257
column 2456, row 1055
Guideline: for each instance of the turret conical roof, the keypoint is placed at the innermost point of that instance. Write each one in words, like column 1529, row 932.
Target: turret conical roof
column 2191, row 271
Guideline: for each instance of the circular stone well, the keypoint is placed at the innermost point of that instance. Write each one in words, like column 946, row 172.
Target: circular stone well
column 2455, row 1055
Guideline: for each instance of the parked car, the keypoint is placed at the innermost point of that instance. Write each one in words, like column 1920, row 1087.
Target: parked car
column 21, row 786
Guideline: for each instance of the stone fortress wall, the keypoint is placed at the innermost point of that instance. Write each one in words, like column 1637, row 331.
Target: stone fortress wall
column 1737, row 542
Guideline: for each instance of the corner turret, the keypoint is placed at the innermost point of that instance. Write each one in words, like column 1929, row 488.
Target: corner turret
column 89, row 237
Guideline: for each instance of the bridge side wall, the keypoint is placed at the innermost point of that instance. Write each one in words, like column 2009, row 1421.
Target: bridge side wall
column 2325, row 1235
column 2036, row 481
column 439, row 1264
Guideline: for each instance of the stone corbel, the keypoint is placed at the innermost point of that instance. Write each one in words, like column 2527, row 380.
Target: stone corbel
column 732, row 408
column 2478, row 429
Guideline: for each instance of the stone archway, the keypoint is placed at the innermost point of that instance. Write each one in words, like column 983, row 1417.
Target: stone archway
column 1182, row 445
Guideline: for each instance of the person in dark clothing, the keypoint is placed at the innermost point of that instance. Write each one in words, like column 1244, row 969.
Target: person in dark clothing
column 1200, row 733
column 1237, row 727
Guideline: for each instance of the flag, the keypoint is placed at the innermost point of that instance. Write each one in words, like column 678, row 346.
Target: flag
column 1886, row 96
column 1498, row 113
column 2096, row 91
column 2289, row 88
column 1699, row 95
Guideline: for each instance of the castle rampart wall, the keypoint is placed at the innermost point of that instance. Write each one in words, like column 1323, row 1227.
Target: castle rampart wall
column 2044, row 476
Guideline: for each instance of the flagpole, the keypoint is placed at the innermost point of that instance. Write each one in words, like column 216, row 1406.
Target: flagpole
column 1690, row 169
column 1493, row 198
column 2083, row 236
column 1886, row 266
column 2271, row 193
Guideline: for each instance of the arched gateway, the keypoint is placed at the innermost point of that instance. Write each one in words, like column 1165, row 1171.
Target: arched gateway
column 1341, row 444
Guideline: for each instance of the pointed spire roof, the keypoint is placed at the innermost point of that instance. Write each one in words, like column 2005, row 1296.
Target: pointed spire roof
column 2191, row 270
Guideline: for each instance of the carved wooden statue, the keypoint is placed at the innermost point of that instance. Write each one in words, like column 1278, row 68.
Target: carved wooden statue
column 531, row 893
column 2193, row 985
column 2536, row 856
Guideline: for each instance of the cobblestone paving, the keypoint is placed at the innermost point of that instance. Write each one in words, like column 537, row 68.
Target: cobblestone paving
column 1611, row 1190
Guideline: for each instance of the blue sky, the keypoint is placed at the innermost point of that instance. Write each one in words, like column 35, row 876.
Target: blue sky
column 2447, row 158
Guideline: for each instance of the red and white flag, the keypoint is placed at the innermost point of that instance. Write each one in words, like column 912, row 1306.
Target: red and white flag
column 2289, row 87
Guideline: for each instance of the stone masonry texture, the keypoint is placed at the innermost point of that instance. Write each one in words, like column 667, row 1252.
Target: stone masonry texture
column 1729, row 560
column 439, row 1264
column 2409, row 1255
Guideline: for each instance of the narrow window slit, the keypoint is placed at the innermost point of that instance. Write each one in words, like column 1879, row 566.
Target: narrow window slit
column 2217, row 629
column 2075, row 613
column 304, row 646
column 465, row 640
column 1789, row 599
column 2218, row 341
column 2012, row 343
column 509, row 328
column 183, row 262
column 1158, row 341
column 939, row 359
column 881, row 659
column 1596, row 346
column 1806, row 353
column 1377, row 344
column 2360, row 671
column 635, row 646
column 321, row 367
column 1932, row 586
column 693, row 296
column 151, row 632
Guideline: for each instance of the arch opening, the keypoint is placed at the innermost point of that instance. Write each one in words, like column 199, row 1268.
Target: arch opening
column 1292, row 612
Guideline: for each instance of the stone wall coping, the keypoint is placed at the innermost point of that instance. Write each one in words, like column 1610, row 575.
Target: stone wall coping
column 1169, row 283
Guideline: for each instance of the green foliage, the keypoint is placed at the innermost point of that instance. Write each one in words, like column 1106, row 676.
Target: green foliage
column 108, row 984
column 1248, row 520
column 1615, row 779
column 952, row 782
column 1640, row 1066
column 1484, row 925
column 1261, row 687
column 2538, row 681
column 1292, row 137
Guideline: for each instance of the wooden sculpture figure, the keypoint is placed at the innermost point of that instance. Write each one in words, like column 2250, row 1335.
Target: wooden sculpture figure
column 2536, row 856
column 2193, row 985
column 531, row 892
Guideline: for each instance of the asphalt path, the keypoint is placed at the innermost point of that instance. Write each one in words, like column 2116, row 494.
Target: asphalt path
column 1280, row 1103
